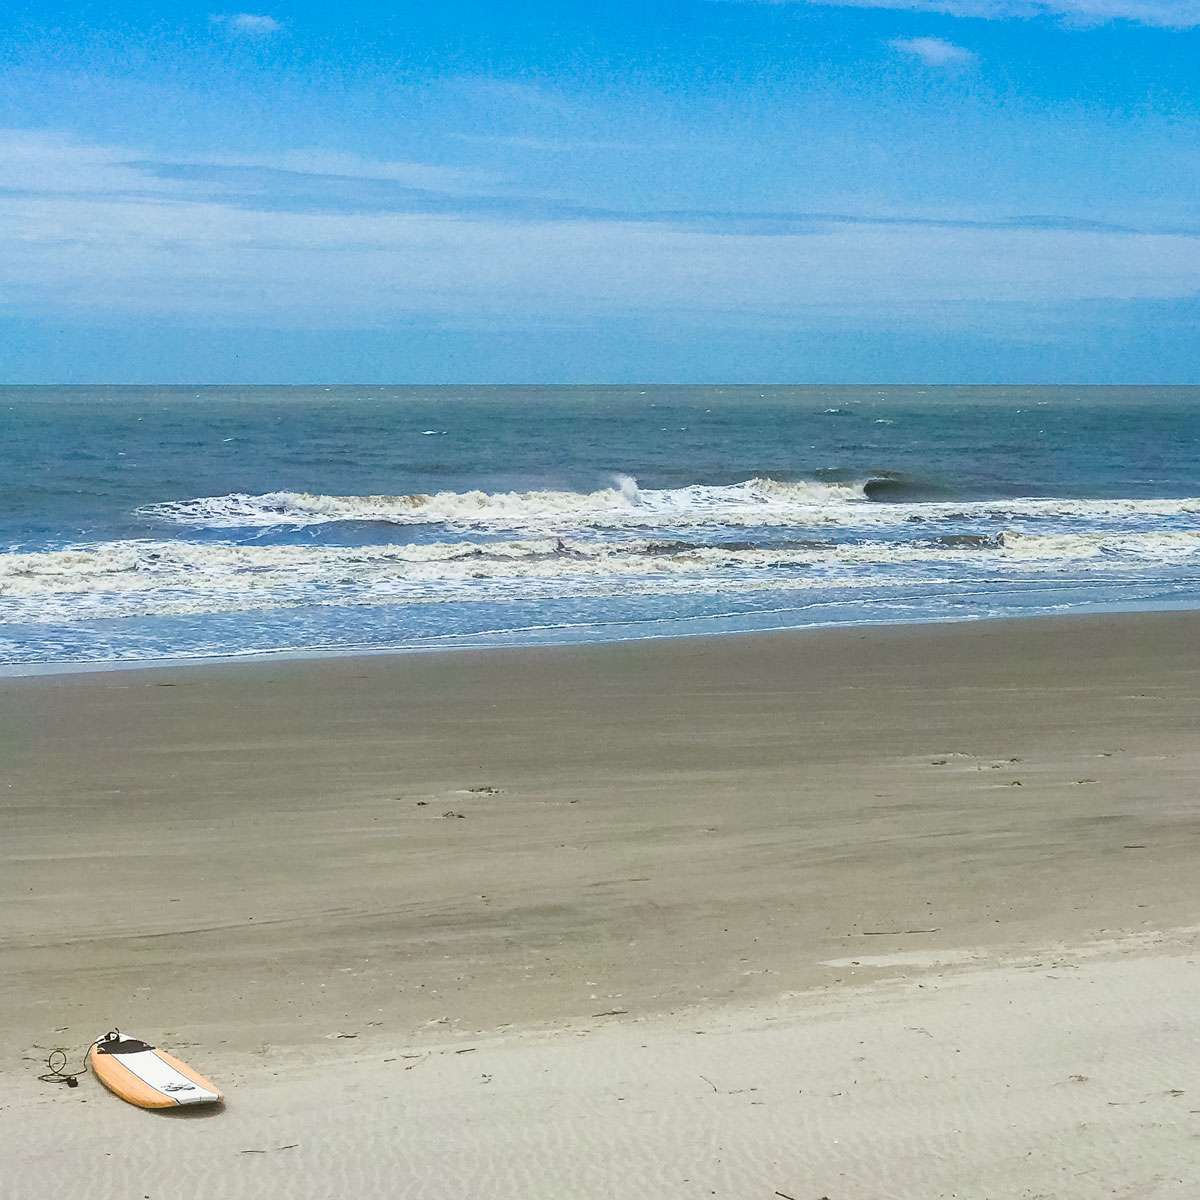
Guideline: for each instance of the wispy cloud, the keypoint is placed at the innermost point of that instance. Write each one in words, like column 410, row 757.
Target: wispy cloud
column 514, row 95
column 249, row 24
column 1167, row 14
column 54, row 164
column 87, row 230
column 334, row 164
column 50, row 163
column 934, row 52
column 539, row 145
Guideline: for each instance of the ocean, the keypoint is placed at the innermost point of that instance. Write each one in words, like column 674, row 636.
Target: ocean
column 142, row 524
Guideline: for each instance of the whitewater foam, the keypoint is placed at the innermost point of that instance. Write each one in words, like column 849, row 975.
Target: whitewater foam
column 144, row 577
column 758, row 501
column 755, row 501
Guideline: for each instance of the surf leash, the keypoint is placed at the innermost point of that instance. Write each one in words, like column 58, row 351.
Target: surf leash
column 56, row 1064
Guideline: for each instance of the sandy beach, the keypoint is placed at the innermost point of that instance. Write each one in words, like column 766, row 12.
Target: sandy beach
column 891, row 912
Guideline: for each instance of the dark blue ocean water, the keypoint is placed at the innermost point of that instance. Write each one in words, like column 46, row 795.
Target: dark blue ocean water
column 143, row 523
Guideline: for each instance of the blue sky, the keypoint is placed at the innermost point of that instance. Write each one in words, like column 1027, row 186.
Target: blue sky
column 688, row 190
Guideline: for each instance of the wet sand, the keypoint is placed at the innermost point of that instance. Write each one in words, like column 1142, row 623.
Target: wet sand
column 298, row 873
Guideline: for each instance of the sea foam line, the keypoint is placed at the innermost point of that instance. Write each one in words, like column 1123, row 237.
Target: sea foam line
column 147, row 564
column 138, row 578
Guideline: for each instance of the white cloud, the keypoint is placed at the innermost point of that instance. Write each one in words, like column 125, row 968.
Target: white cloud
column 934, row 52
column 55, row 163
column 341, row 165
column 180, row 251
column 1168, row 14
column 252, row 24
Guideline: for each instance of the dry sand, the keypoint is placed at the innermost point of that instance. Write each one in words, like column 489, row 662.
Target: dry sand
column 903, row 912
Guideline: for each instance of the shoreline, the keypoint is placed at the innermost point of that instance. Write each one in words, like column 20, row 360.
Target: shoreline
column 13, row 671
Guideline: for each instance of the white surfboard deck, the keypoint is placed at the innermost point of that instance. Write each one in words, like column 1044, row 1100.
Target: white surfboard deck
column 163, row 1077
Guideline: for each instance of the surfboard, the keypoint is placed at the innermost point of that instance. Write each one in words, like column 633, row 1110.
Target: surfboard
column 146, row 1076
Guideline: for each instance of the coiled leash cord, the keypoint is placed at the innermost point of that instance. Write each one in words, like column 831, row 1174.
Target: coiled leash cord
column 56, row 1062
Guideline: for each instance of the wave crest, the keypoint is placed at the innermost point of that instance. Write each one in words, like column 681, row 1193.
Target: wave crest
column 874, row 503
column 756, row 501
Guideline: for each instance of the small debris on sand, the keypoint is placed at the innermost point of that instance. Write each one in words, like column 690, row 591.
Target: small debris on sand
column 894, row 932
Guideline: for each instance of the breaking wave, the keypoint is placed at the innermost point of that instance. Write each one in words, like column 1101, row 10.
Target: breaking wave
column 756, row 501
column 877, row 500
